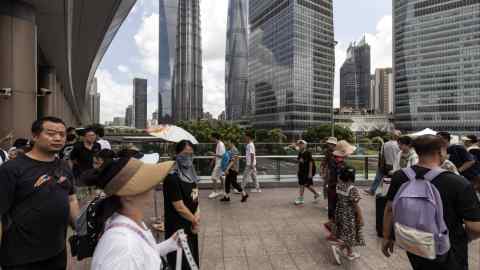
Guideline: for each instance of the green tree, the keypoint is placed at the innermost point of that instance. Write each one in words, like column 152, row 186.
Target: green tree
column 322, row 132
column 385, row 135
column 276, row 135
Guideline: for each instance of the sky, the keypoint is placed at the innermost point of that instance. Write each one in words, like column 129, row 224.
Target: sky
column 134, row 50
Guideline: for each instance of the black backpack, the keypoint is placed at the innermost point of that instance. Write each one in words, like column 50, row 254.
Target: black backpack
column 87, row 230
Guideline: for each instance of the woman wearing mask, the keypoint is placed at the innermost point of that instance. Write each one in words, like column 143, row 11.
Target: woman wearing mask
column 126, row 242
column 180, row 195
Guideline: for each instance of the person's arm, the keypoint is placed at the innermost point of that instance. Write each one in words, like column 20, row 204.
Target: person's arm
column 74, row 209
column 310, row 169
column 387, row 247
column 467, row 165
column 185, row 212
column 473, row 229
column 231, row 163
column 167, row 246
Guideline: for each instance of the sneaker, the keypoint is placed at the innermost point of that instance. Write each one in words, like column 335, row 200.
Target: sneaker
column 236, row 191
column 336, row 255
column 299, row 201
column 213, row 195
column 244, row 198
column 225, row 199
column 255, row 190
column 352, row 256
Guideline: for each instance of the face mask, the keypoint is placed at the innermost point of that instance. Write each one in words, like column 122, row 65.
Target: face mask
column 185, row 160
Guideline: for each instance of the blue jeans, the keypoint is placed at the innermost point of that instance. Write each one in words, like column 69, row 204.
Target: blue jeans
column 377, row 181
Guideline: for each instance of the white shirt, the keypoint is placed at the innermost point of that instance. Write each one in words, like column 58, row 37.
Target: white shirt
column 219, row 152
column 250, row 149
column 104, row 144
column 390, row 152
column 121, row 248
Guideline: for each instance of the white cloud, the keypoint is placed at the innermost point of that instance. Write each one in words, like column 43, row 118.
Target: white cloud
column 214, row 27
column 115, row 97
column 146, row 40
column 380, row 51
column 123, row 68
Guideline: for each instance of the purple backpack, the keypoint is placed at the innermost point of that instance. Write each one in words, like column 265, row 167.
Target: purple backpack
column 418, row 216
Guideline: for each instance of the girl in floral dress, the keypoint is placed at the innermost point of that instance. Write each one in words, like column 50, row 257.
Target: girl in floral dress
column 348, row 217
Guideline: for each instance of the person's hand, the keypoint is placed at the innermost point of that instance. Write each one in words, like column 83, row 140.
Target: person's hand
column 174, row 237
column 360, row 221
column 387, row 247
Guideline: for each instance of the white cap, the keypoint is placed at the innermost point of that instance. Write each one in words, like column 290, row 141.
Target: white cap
column 302, row 142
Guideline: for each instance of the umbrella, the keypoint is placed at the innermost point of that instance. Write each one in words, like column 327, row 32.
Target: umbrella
column 426, row 131
column 171, row 133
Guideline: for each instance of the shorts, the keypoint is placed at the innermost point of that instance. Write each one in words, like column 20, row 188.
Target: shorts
column 305, row 181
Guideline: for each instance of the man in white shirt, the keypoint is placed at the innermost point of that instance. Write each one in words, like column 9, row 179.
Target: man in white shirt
column 250, row 168
column 388, row 157
column 104, row 144
column 217, row 170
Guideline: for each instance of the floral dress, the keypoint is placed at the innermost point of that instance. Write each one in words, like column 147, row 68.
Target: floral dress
column 347, row 228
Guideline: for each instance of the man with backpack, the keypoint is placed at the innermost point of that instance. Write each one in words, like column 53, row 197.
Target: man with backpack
column 433, row 213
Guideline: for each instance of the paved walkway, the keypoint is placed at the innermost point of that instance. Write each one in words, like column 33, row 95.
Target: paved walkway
column 270, row 233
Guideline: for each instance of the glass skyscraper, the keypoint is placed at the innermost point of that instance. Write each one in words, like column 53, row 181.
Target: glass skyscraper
column 180, row 61
column 291, row 63
column 168, row 10
column 236, row 61
column 355, row 77
column 437, row 65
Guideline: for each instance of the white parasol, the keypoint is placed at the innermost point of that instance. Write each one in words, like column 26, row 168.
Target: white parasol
column 171, row 133
column 426, row 131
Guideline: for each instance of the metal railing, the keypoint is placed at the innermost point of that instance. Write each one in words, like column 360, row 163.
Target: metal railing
column 284, row 168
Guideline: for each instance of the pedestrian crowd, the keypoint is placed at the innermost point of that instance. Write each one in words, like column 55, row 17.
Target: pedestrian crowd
column 430, row 206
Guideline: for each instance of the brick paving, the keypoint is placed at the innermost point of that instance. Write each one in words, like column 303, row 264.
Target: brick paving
column 270, row 233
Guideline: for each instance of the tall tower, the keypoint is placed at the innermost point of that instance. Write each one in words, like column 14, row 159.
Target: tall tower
column 291, row 63
column 168, row 10
column 140, row 103
column 437, row 65
column 236, row 60
column 187, row 94
column 355, row 77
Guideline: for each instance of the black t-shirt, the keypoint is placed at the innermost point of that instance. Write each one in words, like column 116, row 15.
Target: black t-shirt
column 459, row 203
column 34, row 205
column 458, row 155
column 83, row 157
column 304, row 159
column 475, row 152
column 175, row 190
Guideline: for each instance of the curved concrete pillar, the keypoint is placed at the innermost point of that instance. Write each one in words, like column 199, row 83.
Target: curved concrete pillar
column 18, row 67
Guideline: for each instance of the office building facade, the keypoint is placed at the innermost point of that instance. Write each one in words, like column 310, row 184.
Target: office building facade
column 129, row 116
column 187, row 84
column 139, row 109
column 384, row 94
column 291, row 63
column 437, row 65
column 355, row 77
column 236, row 61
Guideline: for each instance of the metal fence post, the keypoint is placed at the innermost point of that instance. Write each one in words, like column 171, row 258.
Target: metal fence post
column 278, row 168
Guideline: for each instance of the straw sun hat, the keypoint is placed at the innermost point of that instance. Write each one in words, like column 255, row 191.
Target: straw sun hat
column 343, row 149
column 130, row 176
column 332, row 140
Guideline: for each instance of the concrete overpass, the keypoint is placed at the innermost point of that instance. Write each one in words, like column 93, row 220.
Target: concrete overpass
column 49, row 52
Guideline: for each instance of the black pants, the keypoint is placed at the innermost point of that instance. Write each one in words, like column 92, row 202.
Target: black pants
column 332, row 201
column 445, row 262
column 59, row 262
column 193, row 244
column 231, row 179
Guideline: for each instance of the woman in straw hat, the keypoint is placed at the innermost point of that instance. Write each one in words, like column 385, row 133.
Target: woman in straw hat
column 342, row 151
column 126, row 242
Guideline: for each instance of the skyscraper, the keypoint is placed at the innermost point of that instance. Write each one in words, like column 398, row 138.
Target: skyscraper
column 236, row 60
column 384, row 90
column 94, row 102
column 291, row 63
column 437, row 65
column 129, row 116
column 168, row 10
column 187, row 94
column 140, row 103
column 355, row 77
